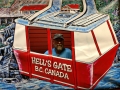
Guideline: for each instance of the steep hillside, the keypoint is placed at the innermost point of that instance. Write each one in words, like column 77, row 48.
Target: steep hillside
column 113, row 10
column 6, row 3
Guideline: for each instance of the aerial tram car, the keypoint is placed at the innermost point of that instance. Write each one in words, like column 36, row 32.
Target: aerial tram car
column 89, row 34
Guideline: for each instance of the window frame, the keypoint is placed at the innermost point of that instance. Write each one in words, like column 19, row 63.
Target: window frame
column 49, row 42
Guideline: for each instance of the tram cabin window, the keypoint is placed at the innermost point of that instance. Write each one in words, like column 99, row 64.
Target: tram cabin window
column 60, row 42
column 38, row 39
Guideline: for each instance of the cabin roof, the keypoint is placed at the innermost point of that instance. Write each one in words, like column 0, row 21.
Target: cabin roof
column 33, row 7
column 53, row 18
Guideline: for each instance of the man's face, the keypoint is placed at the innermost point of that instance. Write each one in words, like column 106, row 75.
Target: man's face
column 58, row 43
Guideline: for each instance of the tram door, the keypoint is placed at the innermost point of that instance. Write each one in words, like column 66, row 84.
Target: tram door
column 63, row 65
column 47, row 66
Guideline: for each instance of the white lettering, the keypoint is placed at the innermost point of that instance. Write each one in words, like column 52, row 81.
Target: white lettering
column 33, row 60
column 38, row 61
column 53, row 72
column 46, row 70
column 38, row 69
column 61, row 75
column 49, row 63
column 60, row 66
column 55, row 65
column 43, row 62
column 49, row 72
column 69, row 68
column 64, row 66
column 56, row 73
column 66, row 76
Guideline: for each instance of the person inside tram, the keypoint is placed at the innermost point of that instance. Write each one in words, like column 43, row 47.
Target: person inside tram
column 59, row 50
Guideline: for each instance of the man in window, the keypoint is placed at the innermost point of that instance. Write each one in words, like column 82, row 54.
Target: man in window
column 59, row 50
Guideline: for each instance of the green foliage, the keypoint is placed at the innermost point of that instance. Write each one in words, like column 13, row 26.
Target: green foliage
column 6, row 3
column 110, row 7
column 101, row 3
column 105, row 6
column 2, row 26
column 1, row 45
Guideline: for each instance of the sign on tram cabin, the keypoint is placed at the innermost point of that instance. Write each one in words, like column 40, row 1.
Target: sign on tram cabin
column 87, row 33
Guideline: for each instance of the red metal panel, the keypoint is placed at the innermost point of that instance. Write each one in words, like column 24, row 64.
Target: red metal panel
column 39, row 65
column 49, row 42
column 27, row 38
column 38, row 39
column 73, row 59
column 83, row 75
column 36, row 30
column 63, row 72
column 37, row 35
column 96, row 44
column 60, row 69
column 103, row 63
column 85, row 78
column 28, row 48
column 22, row 60
column 50, row 49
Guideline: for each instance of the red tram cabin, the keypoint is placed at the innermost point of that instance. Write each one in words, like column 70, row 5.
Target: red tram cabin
column 93, row 53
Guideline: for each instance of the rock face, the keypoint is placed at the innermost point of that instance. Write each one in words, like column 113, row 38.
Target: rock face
column 118, row 52
column 8, row 64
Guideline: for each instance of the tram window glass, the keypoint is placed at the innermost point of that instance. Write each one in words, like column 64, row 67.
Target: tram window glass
column 38, row 39
column 66, row 43
column 72, row 3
